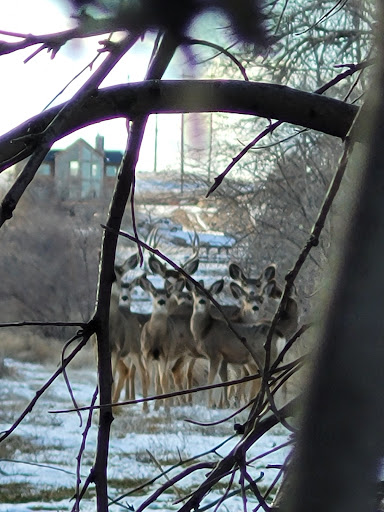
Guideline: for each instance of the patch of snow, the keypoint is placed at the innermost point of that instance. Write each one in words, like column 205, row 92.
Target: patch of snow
column 135, row 438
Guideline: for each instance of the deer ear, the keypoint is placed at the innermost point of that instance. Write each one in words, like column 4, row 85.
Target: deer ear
column 178, row 285
column 119, row 269
column 146, row 284
column 132, row 261
column 268, row 288
column 272, row 290
column 168, row 287
column 237, row 290
column 192, row 266
column 156, row 266
column 270, row 272
column 236, row 273
column 136, row 282
column 188, row 285
column 217, row 287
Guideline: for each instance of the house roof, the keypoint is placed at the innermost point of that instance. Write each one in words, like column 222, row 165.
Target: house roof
column 113, row 156
column 50, row 157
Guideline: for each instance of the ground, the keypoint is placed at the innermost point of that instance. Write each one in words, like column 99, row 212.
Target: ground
column 38, row 461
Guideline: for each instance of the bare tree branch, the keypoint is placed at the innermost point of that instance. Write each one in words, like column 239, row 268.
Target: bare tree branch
column 271, row 101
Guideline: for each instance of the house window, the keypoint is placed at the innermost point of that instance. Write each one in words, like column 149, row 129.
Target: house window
column 95, row 171
column 44, row 169
column 110, row 170
column 74, row 168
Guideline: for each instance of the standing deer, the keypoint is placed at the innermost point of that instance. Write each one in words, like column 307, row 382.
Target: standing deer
column 267, row 284
column 180, row 303
column 247, row 314
column 253, row 285
column 172, row 276
column 124, row 336
column 215, row 339
column 288, row 322
column 165, row 342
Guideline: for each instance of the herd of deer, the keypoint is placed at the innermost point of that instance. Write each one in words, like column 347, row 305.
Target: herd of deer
column 184, row 326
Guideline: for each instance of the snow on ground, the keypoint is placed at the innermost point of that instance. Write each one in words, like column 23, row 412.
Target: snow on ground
column 40, row 456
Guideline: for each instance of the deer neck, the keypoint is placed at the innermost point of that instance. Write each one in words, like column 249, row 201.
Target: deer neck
column 289, row 318
column 158, row 323
column 201, row 323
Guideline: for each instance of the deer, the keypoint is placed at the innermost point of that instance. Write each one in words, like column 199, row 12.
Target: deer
column 172, row 275
column 124, row 336
column 180, row 302
column 165, row 342
column 217, row 341
column 269, row 288
column 247, row 314
column 289, row 319
column 252, row 285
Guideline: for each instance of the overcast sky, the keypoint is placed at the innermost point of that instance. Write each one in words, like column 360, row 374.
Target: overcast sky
column 27, row 88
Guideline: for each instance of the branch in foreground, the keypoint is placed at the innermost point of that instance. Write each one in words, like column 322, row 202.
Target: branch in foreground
column 82, row 325
column 172, row 394
column 269, row 101
column 42, row 140
column 156, row 252
column 228, row 462
column 352, row 68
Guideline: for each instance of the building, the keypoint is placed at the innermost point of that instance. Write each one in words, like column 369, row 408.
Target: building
column 80, row 172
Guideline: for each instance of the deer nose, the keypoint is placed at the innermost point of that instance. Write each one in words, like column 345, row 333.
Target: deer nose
column 124, row 298
column 201, row 301
column 161, row 302
column 255, row 308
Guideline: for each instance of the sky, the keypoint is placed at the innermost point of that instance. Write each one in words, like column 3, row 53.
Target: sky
column 29, row 87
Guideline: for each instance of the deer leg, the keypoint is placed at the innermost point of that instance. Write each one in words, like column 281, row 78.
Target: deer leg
column 114, row 363
column 256, row 383
column 164, row 382
column 191, row 365
column 178, row 379
column 132, row 390
column 156, row 381
column 122, row 371
column 144, row 378
column 213, row 371
column 224, row 395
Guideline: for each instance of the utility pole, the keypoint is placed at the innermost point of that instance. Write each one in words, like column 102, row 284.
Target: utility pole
column 155, row 155
column 182, row 154
column 210, row 147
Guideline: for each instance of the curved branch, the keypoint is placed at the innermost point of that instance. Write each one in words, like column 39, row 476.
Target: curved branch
column 270, row 101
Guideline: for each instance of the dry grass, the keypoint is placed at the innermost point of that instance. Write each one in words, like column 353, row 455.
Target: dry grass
column 33, row 348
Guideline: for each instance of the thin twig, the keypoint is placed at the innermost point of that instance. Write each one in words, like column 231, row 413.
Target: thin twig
column 222, row 50
column 79, row 495
column 44, row 388
column 82, row 325
column 162, row 397
column 66, row 379
column 352, row 68
column 175, row 466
